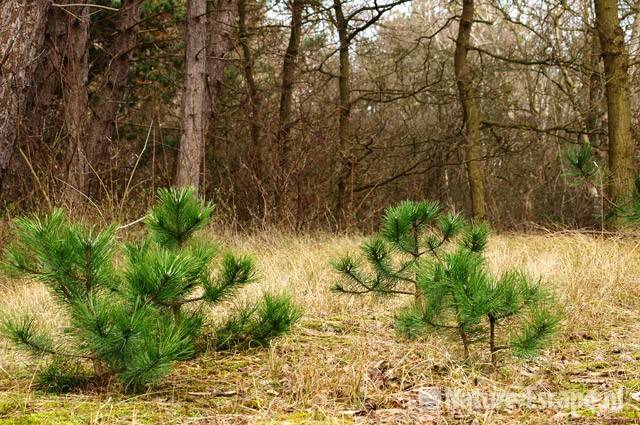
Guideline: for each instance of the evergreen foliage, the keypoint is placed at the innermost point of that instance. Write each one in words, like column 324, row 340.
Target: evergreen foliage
column 255, row 325
column 438, row 258
column 137, row 320
column 409, row 232
column 464, row 299
column 581, row 167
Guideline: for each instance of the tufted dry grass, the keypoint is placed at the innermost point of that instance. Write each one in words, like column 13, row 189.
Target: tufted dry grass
column 345, row 364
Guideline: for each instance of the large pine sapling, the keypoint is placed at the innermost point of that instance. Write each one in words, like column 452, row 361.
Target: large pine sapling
column 137, row 320
column 437, row 257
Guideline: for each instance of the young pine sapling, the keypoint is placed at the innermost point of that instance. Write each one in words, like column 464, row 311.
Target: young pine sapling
column 437, row 258
column 135, row 318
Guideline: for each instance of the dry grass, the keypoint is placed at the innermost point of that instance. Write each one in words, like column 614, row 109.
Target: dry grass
column 344, row 363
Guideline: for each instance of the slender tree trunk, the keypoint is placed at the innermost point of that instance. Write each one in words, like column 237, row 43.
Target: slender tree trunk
column 74, row 76
column 345, row 162
column 111, row 86
column 193, row 97
column 252, row 89
column 465, row 342
column 470, row 110
column 22, row 29
column 616, row 63
column 285, row 120
column 592, row 116
column 221, row 29
column 635, row 35
column 592, row 119
column 492, row 341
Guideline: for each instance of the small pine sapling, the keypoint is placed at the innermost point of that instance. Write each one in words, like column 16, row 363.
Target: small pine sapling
column 137, row 320
column 410, row 231
column 437, row 257
column 463, row 298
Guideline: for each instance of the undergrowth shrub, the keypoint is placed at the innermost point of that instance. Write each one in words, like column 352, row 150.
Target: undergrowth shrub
column 135, row 316
column 437, row 258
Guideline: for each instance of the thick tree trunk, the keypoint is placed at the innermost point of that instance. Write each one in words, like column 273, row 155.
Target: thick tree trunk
column 285, row 121
column 44, row 113
column 193, row 97
column 621, row 145
column 345, row 162
column 111, row 86
column 471, row 112
column 22, row 29
column 252, row 89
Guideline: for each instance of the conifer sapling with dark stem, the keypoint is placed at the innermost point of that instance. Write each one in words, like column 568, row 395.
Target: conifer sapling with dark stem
column 438, row 258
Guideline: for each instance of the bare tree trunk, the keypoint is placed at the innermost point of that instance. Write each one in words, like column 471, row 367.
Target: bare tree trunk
column 193, row 97
column 221, row 29
column 592, row 119
column 22, row 28
column 345, row 162
column 635, row 41
column 471, row 112
column 43, row 114
column 111, row 86
column 592, row 116
column 616, row 64
column 252, row 89
column 221, row 33
column 285, row 121
column 74, row 74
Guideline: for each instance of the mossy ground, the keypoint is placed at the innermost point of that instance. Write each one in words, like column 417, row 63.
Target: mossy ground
column 344, row 363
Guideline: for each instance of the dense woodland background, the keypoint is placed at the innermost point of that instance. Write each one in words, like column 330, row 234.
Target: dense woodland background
column 319, row 113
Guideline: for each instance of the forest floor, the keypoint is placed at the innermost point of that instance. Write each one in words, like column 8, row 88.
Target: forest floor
column 343, row 363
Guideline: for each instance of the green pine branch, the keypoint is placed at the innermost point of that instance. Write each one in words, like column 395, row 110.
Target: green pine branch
column 256, row 324
column 177, row 217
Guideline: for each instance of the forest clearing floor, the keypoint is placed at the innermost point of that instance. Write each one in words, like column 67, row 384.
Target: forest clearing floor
column 343, row 363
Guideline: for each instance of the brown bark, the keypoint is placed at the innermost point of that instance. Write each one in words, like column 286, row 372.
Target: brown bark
column 221, row 29
column 193, row 97
column 470, row 110
column 111, row 86
column 252, row 89
column 592, row 118
column 616, row 63
column 492, row 341
column 43, row 115
column 345, row 162
column 285, row 121
column 74, row 74
column 635, row 35
column 22, row 28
